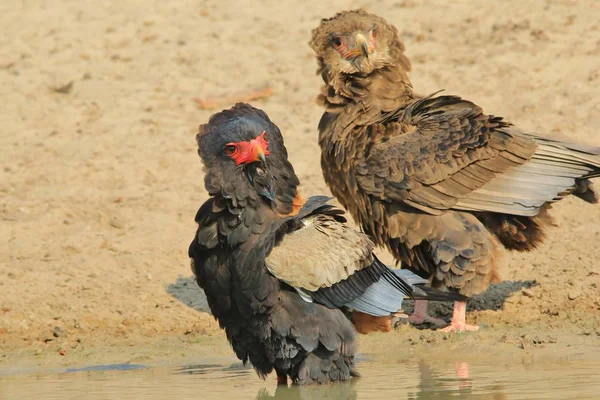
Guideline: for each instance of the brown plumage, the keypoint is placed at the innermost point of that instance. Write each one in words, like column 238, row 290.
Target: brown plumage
column 434, row 179
column 279, row 272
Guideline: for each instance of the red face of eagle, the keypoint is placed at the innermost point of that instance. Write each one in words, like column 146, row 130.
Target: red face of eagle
column 249, row 151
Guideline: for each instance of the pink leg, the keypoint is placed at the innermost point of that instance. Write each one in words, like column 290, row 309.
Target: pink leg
column 420, row 315
column 458, row 323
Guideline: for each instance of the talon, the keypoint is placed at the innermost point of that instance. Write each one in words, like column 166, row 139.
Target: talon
column 458, row 323
column 459, row 327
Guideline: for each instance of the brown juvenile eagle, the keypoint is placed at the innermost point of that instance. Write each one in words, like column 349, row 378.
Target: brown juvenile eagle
column 434, row 179
column 279, row 273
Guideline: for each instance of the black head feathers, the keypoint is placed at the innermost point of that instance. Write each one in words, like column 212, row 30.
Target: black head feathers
column 244, row 123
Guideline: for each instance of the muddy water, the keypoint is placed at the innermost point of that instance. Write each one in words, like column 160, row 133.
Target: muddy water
column 410, row 379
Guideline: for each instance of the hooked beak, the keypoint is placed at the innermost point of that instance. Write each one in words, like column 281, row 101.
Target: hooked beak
column 250, row 151
column 259, row 155
column 362, row 44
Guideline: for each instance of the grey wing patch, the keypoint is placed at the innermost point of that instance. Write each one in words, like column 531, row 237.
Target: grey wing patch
column 570, row 152
column 380, row 299
column 551, row 174
column 410, row 277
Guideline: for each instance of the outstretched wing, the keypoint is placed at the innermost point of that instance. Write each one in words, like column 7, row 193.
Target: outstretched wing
column 443, row 153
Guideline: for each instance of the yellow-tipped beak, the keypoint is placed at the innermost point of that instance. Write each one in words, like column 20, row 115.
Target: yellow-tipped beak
column 362, row 44
column 259, row 154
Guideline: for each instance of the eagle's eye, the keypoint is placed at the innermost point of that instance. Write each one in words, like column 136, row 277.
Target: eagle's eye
column 230, row 149
column 336, row 41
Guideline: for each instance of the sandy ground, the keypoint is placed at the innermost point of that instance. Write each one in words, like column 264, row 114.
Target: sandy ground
column 100, row 180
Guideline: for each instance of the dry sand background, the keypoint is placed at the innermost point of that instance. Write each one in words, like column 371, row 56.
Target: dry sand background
column 99, row 185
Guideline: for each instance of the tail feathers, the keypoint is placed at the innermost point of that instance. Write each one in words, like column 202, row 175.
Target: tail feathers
column 517, row 232
column 423, row 292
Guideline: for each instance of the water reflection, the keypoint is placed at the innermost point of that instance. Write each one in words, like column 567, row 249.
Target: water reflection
column 344, row 390
column 431, row 384
column 434, row 385
column 381, row 379
column 107, row 367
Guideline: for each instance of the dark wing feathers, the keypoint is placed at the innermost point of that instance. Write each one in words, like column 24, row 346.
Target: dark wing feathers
column 310, row 325
column 242, row 295
column 313, row 203
column 343, row 292
column 346, row 291
column 445, row 154
column 440, row 154
column 211, row 273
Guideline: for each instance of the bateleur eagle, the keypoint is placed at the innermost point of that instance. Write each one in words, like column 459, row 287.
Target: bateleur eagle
column 434, row 179
column 279, row 272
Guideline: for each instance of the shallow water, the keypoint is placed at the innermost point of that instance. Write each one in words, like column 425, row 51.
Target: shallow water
column 381, row 379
